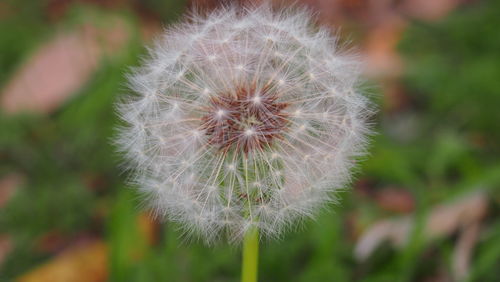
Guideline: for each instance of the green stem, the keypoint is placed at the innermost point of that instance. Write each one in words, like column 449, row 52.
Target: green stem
column 250, row 255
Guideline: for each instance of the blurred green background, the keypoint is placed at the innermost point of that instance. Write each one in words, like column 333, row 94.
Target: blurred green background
column 425, row 205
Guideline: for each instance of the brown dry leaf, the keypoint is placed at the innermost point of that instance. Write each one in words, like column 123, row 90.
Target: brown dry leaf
column 51, row 242
column 394, row 231
column 5, row 247
column 59, row 68
column 448, row 218
column 55, row 241
column 395, row 200
column 382, row 59
column 148, row 227
column 463, row 250
column 8, row 184
column 5, row 10
column 442, row 221
column 149, row 29
column 395, row 97
column 86, row 263
column 57, row 9
column 430, row 10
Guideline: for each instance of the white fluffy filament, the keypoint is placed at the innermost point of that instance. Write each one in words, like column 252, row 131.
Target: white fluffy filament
column 219, row 161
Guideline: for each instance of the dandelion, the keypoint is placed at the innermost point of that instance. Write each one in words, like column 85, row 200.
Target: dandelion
column 243, row 122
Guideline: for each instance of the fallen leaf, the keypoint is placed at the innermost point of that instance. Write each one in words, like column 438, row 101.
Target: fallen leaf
column 443, row 220
column 446, row 219
column 395, row 200
column 84, row 263
column 430, row 10
column 463, row 251
column 148, row 227
column 395, row 231
column 51, row 242
column 87, row 259
column 59, row 68
column 8, row 184
column 381, row 56
column 5, row 247
column 55, row 241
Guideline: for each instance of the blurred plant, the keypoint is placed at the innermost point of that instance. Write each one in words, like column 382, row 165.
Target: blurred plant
column 453, row 70
column 244, row 121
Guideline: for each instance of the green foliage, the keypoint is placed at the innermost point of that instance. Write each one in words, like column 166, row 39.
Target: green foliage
column 67, row 157
column 453, row 70
column 20, row 30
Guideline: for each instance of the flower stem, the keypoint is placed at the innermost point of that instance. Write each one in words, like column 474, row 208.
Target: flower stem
column 250, row 255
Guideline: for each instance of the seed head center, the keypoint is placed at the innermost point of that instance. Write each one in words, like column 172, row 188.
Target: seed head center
column 244, row 121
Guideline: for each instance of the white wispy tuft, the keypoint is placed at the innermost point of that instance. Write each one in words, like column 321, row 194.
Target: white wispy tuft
column 241, row 118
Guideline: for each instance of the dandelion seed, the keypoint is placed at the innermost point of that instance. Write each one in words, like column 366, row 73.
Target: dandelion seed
column 249, row 132
column 256, row 99
column 250, row 119
column 231, row 167
column 220, row 113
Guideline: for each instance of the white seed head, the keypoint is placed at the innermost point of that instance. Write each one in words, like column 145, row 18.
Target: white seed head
column 243, row 117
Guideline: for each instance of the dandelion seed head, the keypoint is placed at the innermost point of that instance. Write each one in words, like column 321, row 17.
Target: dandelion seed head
column 243, row 117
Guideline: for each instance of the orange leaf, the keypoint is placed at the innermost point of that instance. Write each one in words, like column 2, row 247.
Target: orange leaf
column 87, row 263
